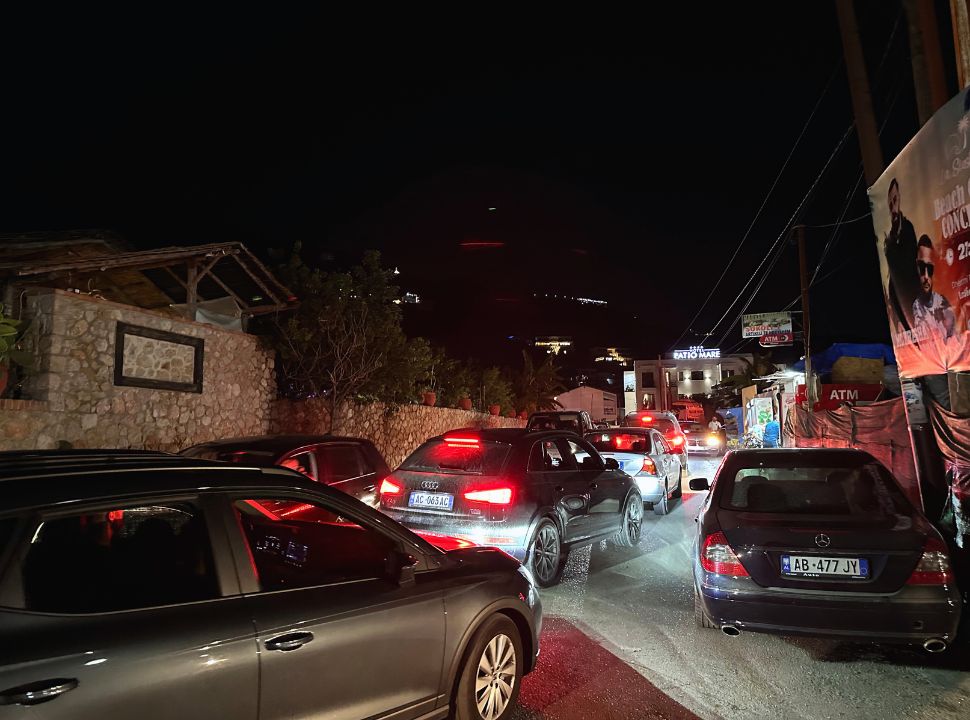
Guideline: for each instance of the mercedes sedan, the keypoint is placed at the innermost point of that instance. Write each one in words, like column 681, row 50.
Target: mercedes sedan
column 820, row 542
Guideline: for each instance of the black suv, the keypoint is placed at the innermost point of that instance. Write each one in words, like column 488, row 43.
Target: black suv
column 154, row 586
column 533, row 494
column 577, row 421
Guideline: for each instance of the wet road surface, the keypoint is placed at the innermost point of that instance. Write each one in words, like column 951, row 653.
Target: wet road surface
column 620, row 642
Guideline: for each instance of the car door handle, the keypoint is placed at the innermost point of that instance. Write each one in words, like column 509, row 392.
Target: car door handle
column 289, row 641
column 37, row 692
column 593, row 485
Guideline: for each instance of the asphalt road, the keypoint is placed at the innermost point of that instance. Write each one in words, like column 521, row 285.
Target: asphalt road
column 620, row 642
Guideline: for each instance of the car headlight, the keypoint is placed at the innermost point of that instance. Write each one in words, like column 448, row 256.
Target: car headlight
column 713, row 441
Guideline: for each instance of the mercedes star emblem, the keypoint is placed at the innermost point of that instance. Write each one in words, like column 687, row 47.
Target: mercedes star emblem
column 823, row 540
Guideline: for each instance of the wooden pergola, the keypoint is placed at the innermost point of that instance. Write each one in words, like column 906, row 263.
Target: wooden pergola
column 157, row 279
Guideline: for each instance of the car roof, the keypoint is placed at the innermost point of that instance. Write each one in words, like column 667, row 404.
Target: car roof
column 625, row 430
column 273, row 443
column 820, row 456
column 509, row 436
column 57, row 477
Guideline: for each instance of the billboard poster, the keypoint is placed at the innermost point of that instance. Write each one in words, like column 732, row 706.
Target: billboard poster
column 921, row 215
column 759, row 324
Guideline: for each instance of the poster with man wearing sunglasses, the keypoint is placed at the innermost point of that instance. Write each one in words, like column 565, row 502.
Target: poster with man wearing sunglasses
column 921, row 217
column 932, row 313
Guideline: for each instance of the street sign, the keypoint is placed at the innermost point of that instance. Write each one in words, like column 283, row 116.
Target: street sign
column 776, row 339
column 761, row 324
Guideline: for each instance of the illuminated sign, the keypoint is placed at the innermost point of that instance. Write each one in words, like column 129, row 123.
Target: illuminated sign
column 697, row 353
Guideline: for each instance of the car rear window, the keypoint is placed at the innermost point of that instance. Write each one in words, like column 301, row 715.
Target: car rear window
column 863, row 490
column 438, row 456
column 241, row 457
column 619, row 441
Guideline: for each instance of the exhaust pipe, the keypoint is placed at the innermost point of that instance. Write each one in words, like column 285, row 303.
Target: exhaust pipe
column 934, row 645
column 734, row 631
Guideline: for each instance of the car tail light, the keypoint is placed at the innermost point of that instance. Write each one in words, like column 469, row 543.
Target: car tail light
column 493, row 496
column 649, row 466
column 646, row 419
column 469, row 441
column 388, row 487
column 677, row 440
column 933, row 567
column 719, row 557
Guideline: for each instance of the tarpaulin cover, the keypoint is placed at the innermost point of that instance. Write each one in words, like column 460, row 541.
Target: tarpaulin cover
column 822, row 362
column 879, row 429
column 953, row 437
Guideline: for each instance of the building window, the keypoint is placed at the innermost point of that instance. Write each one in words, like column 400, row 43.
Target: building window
column 646, row 380
column 681, row 376
column 649, row 401
column 726, row 373
column 696, row 374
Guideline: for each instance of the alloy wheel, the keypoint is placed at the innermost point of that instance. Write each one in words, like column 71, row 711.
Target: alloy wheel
column 634, row 521
column 495, row 679
column 545, row 553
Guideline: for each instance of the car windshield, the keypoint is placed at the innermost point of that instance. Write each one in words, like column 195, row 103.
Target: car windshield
column 693, row 427
column 440, row 456
column 619, row 442
column 862, row 490
column 555, row 421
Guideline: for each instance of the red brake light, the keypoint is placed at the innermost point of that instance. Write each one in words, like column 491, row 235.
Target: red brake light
column 933, row 567
column 462, row 441
column 390, row 488
column 647, row 419
column 495, row 496
column 717, row 556
column 649, row 466
column 677, row 440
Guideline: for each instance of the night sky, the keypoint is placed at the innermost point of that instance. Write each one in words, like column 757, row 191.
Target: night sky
column 625, row 157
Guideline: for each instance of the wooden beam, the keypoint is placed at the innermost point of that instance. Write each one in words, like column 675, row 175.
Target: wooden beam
column 192, row 298
column 256, row 280
column 242, row 303
column 179, row 280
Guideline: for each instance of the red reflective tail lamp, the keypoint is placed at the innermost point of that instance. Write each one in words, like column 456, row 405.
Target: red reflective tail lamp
column 677, row 440
column 933, row 567
column 390, row 488
column 646, row 419
column 462, row 441
column 493, row 496
column 649, row 466
column 718, row 557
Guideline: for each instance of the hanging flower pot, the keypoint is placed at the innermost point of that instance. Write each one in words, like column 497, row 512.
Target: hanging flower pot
column 465, row 403
column 430, row 399
column 495, row 409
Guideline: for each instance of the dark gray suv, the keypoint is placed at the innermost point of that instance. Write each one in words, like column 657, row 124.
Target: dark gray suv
column 143, row 585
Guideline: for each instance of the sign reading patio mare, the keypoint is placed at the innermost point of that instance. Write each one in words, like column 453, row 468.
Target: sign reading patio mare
column 921, row 215
column 697, row 353
column 760, row 324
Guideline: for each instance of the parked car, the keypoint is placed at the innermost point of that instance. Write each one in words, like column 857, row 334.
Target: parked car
column 668, row 425
column 645, row 455
column 144, row 585
column 577, row 421
column 700, row 439
column 820, row 542
column 351, row 465
column 536, row 495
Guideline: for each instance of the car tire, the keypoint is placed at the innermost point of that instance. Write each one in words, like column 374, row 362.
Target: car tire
column 679, row 491
column 546, row 556
column 488, row 659
column 662, row 506
column 700, row 617
column 631, row 524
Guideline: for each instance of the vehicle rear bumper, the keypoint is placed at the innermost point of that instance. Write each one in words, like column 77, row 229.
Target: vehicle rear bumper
column 651, row 488
column 914, row 614
column 510, row 535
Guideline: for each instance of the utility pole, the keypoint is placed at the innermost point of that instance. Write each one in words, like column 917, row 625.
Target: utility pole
column 926, row 455
column 960, row 19
column 927, row 58
column 810, row 389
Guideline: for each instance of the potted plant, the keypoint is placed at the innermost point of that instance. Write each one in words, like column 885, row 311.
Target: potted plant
column 510, row 413
column 494, row 409
column 430, row 398
column 465, row 403
column 10, row 331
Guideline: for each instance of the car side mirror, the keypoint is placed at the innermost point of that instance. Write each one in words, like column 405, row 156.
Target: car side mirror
column 611, row 464
column 699, row 484
column 400, row 568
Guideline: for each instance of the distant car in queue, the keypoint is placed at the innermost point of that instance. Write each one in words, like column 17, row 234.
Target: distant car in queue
column 701, row 440
column 645, row 455
column 535, row 495
column 668, row 425
column 577, row 421
column 351, row 465
column 820, row 542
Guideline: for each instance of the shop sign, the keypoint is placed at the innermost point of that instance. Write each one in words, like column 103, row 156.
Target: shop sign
column 697, row 353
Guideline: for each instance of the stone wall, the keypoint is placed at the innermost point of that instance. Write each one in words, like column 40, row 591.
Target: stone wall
column 74, row 399
column 395, row 430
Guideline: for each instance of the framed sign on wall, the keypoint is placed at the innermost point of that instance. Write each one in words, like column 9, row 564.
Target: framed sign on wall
column 157, row 359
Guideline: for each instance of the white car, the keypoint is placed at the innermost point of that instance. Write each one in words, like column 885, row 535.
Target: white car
column 701, row 440
column 645, row 455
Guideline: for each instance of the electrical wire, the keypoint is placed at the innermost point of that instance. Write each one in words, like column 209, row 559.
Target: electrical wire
column 764, row 202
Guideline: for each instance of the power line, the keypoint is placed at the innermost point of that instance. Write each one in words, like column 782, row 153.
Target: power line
column 764, row 202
